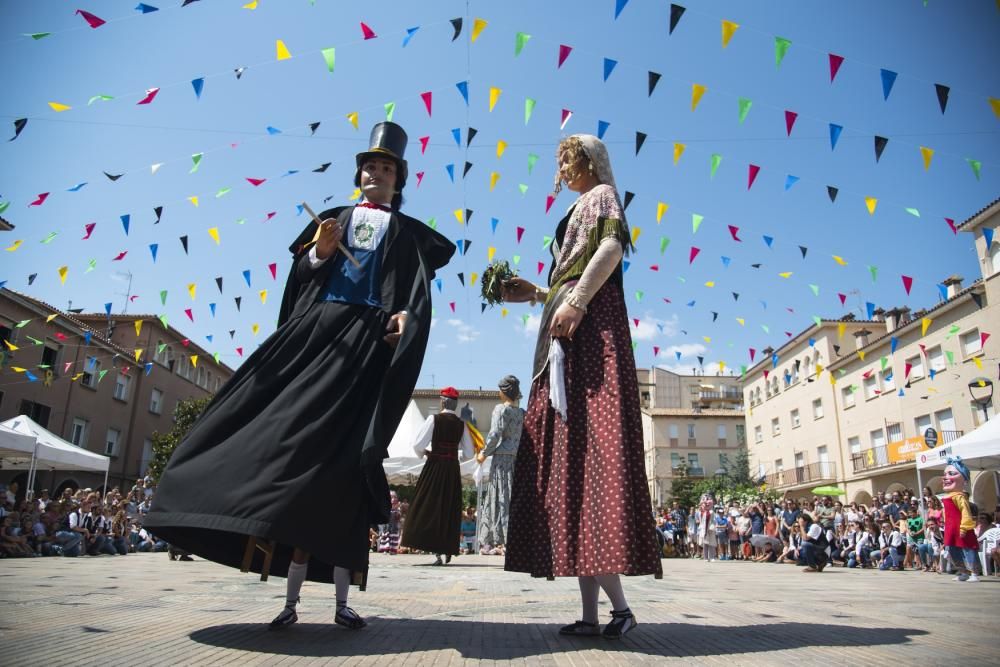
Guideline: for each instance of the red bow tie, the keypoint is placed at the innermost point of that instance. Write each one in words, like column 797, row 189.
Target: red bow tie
column 368, row 204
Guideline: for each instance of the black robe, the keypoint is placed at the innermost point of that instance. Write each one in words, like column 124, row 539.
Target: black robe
column 291, row 448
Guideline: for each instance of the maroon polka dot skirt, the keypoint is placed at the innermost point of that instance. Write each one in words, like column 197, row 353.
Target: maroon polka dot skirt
column 580, row 505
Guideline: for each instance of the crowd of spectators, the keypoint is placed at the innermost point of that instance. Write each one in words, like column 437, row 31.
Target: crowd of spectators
column 79, row 522
column 891, row 533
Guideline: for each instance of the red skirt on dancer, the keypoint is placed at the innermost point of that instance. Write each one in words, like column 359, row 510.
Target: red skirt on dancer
column 579, row 503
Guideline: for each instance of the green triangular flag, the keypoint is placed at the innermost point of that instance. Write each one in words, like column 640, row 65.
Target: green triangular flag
column 523, row 188
column 100, row 376
column 664, row 242
column 696, row 222
column 639, row 294
column 517, row 259
column 885, row 362
column 634, row 345
column 914, row 212
column 765, row 328
column 241, row 221
column 196, row 158
column 682, row 279
column 160, row 348
column 432, row 223
column 780, row 49
column 716, row 160
column 35, row 341
column 817, row 320
column 529, row 106
column 546, row 242
column 842, row 372
column 22, row 324
column 222, row 193
column 91, row 266
column 532, row 159
column 524, row 319
column 163, row 297
column 215, row 355
column 37, row 35
column 4, row 205
column 745, row 105
column 48, row 239
column 520, row 39
column 815, row 289
column 976, row 166
column 328, row 55
column 163, row 321
column 390, row 107
column 951, row 357
column 743, row 370
column 874, row 271
column 102, row 98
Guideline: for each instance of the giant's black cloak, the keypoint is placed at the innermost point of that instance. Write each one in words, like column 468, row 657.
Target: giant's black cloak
column 291, row 448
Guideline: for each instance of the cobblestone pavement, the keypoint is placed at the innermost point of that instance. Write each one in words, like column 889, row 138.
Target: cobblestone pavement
column 144, row 609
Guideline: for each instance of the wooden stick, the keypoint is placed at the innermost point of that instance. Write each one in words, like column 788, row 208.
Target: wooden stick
column 340, row 246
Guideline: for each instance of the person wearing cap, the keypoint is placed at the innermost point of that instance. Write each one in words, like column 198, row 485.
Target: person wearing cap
column 501, row 444
column 307, row 419
column 434, row 521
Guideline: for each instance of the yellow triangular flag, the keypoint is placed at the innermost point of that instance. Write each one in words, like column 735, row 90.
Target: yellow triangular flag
column 995, row 105
column 635, row 234
column 214, row 233
column 138, row 353
column 728, row 29
column 138, row 327
column 978, row 362
column 473, row 278
column 871, row 203
column 503, row 312
column 494, row 177
column 833, row 381
column 722, row 366
column 76, row 377
column 51, row 317
column 282, row 52
column 356, row 194
column 819, row 369
column 501, row 147
column 59, row 107
column 489, row 253
column 477, row 27
column 786, row 274
column 661, row 208
column 839, row 260
column 861, row 353
column 194, row 360
column 927, row 154
column 924, row 324
column 710, row 283
column 678, row 152
column 194, row 200
column 250, row 5
column 263, row 296
column 15, row 245
column 707, row 339
column 192, row 288
column 494, row 96
column 697, row 90
column 63, row 270
column 353, row 117
column 460, row 216
column 10, row 346
column 742, row 321
column 841, row 328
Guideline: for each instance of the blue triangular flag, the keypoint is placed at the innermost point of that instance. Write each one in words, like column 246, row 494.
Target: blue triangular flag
column 209, row 338
column 107, row 308
column 625, row 265
column 198, row 84
column 790, row 181
column 690, row 304
column 149, row 367
column 774, row 360
column 870, row 307
column 86, row 341
column 273, row 130
column 146, row 9
column 463, row 87
column 409, row 35
column 835, row 131
column 900, row 392
column 609, row 67
column 246, row 277
column 812, row 342
column 725, row 262
column 125, row 220
column 678, row 355
column 619, row 6
column 437, row 281
column 764, row 304
column 493, row 223
column 457, row 133
column 944, row 292
column 451, row 171
column 769, row 240
column 893, row 342
column 211, row 307
column 461, row 245
column 988, row 235
column 933, row 373
column 299, row 208
column 602, row 127
column 290, row 172
column 888, row 78
column 76, row 188
column 153, row 247
column 31, row 378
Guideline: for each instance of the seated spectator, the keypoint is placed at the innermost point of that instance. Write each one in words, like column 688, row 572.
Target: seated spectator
column 840, row 546
column 468, row 530
column 929, row 550
column 12, row 543
column 791, row 553
column 889, row 542
column 117, row 533
column 812, row 553
column 767, row 554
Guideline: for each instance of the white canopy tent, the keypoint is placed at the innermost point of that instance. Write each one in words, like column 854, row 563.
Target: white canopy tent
column 49, row 451
column 979, row 450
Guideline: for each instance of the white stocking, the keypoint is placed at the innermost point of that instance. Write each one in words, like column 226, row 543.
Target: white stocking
column 296, row 575
column 342, row 579
column 612, row 585
column 589, row 589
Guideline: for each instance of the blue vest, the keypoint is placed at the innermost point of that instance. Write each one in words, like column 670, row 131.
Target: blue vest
column 358, row 285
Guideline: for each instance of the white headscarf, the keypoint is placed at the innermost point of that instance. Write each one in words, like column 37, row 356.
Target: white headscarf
column 598, row 155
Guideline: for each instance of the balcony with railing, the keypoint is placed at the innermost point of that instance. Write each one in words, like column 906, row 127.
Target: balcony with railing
column 711, row 395
column 814, row 473
column 691, row 472
column 880, row 457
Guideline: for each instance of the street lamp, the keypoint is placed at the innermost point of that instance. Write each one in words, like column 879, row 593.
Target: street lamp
column 721, row 473
column 986, row 385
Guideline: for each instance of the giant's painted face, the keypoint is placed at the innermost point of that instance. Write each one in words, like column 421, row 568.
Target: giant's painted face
column 707, row 503
column 953, row 480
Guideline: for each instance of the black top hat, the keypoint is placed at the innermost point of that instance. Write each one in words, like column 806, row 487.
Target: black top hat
column 387, row 140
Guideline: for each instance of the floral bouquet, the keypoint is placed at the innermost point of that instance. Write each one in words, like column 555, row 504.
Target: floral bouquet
column 493, row 279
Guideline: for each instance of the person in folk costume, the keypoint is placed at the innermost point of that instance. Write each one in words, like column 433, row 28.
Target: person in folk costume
column 434, row 521
column 706, row 527
column 580, row 504
column 959, row 523
column 306, row 421
column 501, row 443
column 388, row 539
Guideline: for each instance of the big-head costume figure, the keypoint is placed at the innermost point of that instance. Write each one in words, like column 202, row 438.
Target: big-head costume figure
column 959, row 536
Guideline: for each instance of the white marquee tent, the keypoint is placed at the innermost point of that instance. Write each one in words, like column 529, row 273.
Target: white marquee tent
column 47, row 451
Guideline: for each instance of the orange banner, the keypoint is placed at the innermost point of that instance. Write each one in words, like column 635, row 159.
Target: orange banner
column 906, row 450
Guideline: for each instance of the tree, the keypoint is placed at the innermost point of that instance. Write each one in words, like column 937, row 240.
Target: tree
column 185, row 414
column 682, row 489
column 740, row 473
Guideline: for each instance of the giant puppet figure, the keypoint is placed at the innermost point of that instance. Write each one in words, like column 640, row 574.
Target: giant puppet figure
column 289, row 452
column 706, row 527
column 959, row 536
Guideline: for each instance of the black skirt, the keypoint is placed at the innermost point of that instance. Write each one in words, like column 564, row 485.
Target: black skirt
column 434, row 522
column 276, row 454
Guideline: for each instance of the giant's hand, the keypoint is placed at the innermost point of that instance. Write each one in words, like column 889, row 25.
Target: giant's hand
column 397, row 323
column 330, row 233
column 518, row 290
column 565, row 321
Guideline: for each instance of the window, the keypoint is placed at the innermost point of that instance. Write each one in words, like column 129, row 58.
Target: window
column 818, row 408
column 775, row 426
column 871, row 386
column 169, row 359
column 972, row 343
column 779, row 465
column 945, row 420
column 672, row 429
column 691, row 431
column 122, row 382
column 50, row 357
column 800, row 460
column 922, row 423
column 147, row 456
column 38, row 412
column 675, row 460
column 160, row 352
column 78, row 434
column 854, row 444
column 200, row 376
column 877, row 438
column 894, row 431
column 916, row 366
column 111, row 442
column 935, row 359
column 91, row 371
column 795, row 418
column 758, row 436
column 741, row 435
column 722, row 431
column 156, row 401
column 847, row 397
column 693, row 460
column 888, row 380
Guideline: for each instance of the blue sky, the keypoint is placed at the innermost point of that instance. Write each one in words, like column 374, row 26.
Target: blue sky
column 951, row 43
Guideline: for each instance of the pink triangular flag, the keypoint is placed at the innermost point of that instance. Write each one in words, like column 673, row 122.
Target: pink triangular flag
column 666, row 300
column 94, row 21
column 766, row 373
column 694, row 253
column 636, row 320
column 90, row 230
column 951, row 225
column 564, row 52
column 520, row 233
column 452, row 305
column 273, row 268
column 239, row 351
column 752, row 176
column 835, row 63
column 566, row 115
column 270, row 215
column 790, row 117
column 423, row 144
column 367, row 32
column 982, row 339
column 187, row 311
column 120, row 256
column 420, row 177
column 656, row 351
column 541, row 267
column 843, row 298
column 426, row 97
column 654, row 267
column 256, row 181
column 150, row 95
column 41, row 199
column 907, row 283
column 753, row 353
column 549, row 199
column 733, row 229
column 907, row 369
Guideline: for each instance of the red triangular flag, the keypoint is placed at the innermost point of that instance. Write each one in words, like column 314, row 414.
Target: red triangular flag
column 907, row 370
column 636, row 320
column 423, row 144
column 120, row 256
column 843, row 298
column 239, row 351
column 982, row 339
column 951, row 224
column 367, row 32
column 452, row 305
column 656, row 351
column 907, row 284
column 835, row 63
column 426, row 97
column 270, row 215
column 694, row 253
column 548, row 202
column 150, row 95
column 654, row 267
column 790, row 117
column 256, row 181
column 566, row 113
column 520, row 233
column 94, row 21
column 753, row 353
column 187, row 311
column 766, row 373
column 752, row 176
column 41, row 199
column 733, row 229
column 564, row 52
column 273, row 268
column 541, row 266
column 420, row 177
column 90, row 230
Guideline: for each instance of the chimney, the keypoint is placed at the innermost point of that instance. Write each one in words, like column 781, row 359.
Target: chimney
column 954, row 285
column 861, row 338
column 879, row 314
column 892, row 320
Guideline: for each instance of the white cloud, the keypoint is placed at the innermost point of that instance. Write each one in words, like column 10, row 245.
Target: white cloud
column 652, row 327
column 531, row 327
column 686, row 349
column 711, row 369
column 466, row 333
